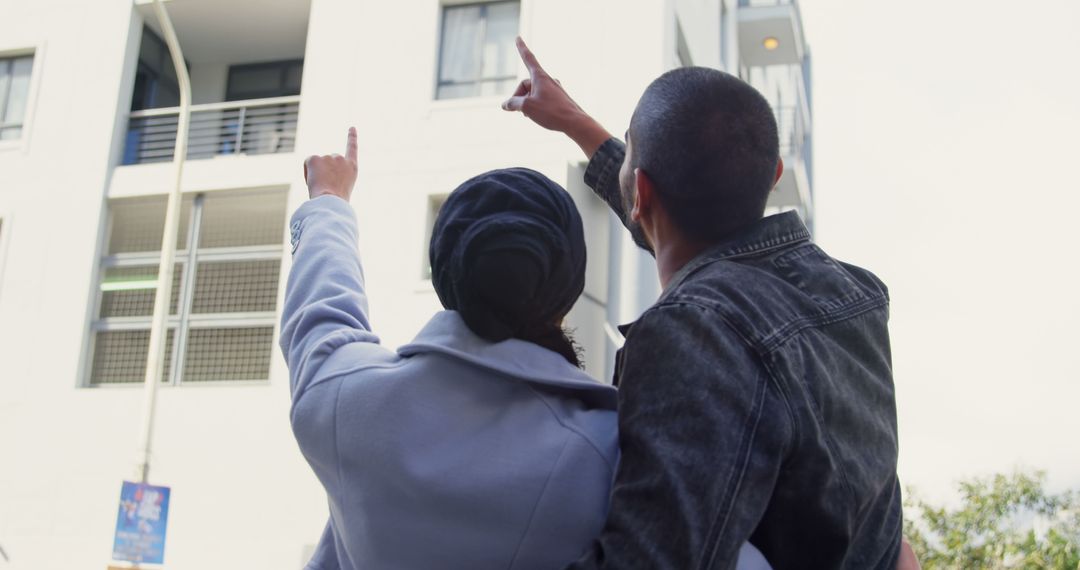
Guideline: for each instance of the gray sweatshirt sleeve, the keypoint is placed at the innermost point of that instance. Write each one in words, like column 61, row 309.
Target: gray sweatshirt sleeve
column 325, row 303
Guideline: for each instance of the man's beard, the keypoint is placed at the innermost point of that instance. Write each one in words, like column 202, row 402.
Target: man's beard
column 636, row 232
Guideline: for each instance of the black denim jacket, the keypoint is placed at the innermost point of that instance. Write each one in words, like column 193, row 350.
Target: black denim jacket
column 755, row 403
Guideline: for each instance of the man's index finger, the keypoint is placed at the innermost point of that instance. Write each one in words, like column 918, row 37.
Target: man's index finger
column 527, row 56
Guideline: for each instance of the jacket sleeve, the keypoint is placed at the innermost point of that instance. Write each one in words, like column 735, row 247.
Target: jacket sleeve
column 602, row 175
column 698, row 465
column 325, row 303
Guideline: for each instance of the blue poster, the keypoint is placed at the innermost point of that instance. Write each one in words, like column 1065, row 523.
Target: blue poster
column 140, row 524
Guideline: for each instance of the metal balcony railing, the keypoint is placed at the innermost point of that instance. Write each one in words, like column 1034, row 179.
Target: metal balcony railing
column 795, row 138
column 789, row 124
column 257, row 126
column 753, row 3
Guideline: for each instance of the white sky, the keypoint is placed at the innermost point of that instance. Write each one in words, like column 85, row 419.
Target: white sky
column 946, row 150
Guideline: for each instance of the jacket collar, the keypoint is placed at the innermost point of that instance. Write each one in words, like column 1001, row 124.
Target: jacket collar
column 446, row 333
column 771, row 232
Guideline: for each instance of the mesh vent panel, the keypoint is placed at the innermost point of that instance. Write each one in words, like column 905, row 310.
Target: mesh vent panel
column 120, row 357
column 243, row 220
column 137, row 224
column 129, row 291
column 236, row 286
column 228, row 354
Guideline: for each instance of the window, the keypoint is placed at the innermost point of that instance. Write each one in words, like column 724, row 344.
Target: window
column 14, row 94
column 477, row 55
column 434, row 204
column 156, row 85
column 3, row 248
column 224, row 295
column 261, row 80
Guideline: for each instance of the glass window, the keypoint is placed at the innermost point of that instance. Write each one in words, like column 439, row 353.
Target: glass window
column 156, row 85
column 224, row 288
column 262, row 80
column 477, row 56
column 14, row 94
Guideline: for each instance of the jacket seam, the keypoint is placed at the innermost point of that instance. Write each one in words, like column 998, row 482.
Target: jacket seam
column 752, row 250
column 573, row 429
column 334, row 436
column 721, row 519
column 794, row 327
column 539, row 499
column 748, row 344
column 336, row 376
column 773, row 340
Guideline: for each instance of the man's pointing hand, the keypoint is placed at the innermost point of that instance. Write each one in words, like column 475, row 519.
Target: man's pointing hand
column 542, row 99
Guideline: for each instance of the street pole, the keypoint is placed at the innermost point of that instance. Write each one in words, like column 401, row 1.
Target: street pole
column 158, row 330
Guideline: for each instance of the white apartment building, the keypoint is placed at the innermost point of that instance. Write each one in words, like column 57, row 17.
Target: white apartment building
column 87, row 127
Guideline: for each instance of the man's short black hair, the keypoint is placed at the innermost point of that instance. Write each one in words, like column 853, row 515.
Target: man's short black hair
column 709, row 142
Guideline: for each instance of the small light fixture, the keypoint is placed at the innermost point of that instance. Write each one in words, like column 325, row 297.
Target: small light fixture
column 771, row 43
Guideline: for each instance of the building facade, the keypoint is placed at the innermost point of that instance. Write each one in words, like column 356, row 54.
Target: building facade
column 88, row 118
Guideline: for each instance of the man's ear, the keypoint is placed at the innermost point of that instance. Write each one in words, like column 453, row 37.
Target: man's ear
column 779, row 172
column 645, row 195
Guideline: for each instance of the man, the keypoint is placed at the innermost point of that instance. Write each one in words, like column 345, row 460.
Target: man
column 756, row 397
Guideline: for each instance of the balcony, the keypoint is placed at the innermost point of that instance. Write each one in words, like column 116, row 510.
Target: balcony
column 794, row 188
column 245, row 82
column 770, row 32
column 258, row 126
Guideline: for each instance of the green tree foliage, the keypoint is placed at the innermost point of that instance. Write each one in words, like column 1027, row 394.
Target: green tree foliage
column 1002, row 522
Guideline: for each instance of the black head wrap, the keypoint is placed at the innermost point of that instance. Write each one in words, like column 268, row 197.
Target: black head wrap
column 508, row 253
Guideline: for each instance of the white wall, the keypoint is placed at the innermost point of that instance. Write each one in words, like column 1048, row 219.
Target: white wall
column 239, row 482
column 242, row 495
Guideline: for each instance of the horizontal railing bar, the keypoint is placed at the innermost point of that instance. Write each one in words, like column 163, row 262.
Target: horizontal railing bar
column 216, row 129
column 218, row 106
column 456, row 83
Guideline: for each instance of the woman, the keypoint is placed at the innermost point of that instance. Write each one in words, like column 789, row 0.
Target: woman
column 481, row 444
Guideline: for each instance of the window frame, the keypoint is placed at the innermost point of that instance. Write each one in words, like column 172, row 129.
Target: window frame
column 5, row 241
column 36, row 55
column 184, row 321
column 433, row 205
column 447, row 5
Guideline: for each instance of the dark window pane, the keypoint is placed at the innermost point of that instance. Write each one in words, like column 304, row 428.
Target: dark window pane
column 152, row 50
column 255, row 80
column 262, row 80
column 293, row 75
